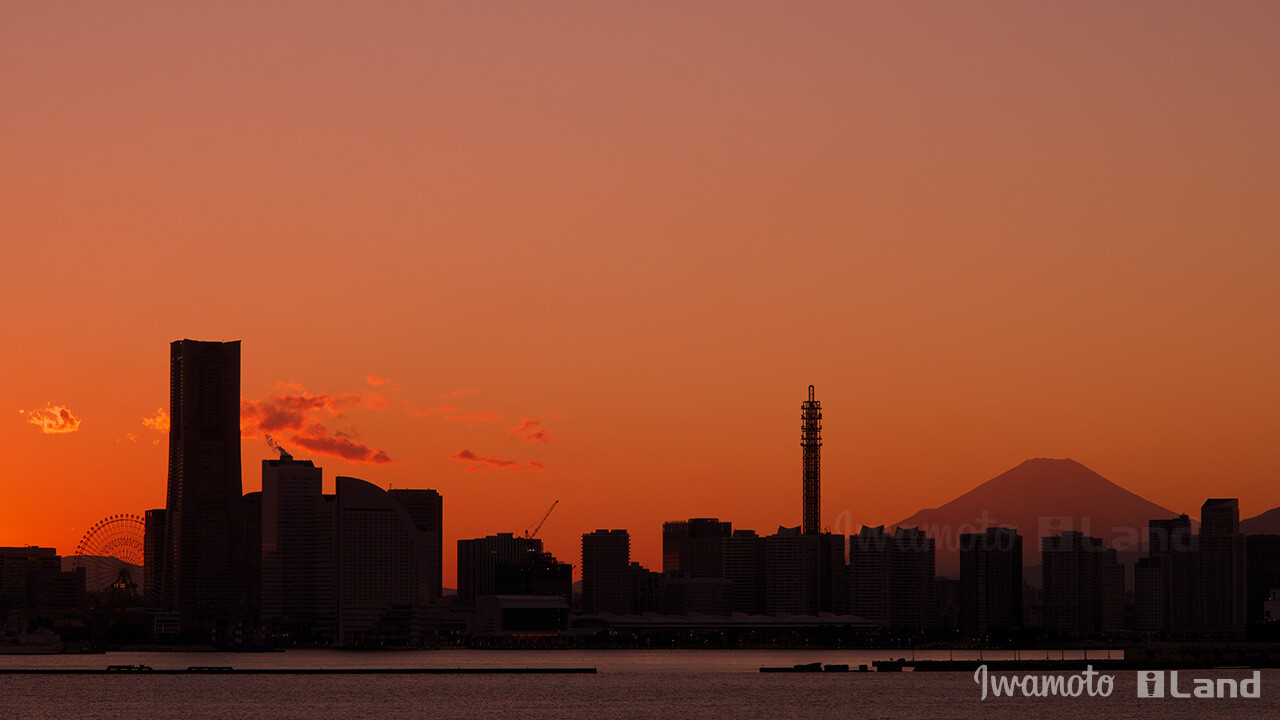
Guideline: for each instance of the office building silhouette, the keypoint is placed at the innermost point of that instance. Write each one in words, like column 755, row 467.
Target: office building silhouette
column 385, row 583
column 744, row 568
column 1083, row 585
column 606, row 572
column 990, row 581
column 296, row 551
column 202, row 573
column 1153, row 575
column 1195, row 585
column 891, row 578
column 505, row 564
column 805, row 574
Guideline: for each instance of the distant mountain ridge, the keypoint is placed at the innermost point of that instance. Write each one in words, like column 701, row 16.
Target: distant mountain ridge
column 1039, row 497
column 1268, row 523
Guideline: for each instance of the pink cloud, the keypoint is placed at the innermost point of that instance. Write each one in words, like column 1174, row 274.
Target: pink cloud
column 431, row 411
column 492, row 462
column 318, row 439
column 297, row 418
column 530, row 429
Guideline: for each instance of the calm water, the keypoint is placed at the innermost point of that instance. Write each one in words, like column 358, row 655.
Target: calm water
column 630, row 684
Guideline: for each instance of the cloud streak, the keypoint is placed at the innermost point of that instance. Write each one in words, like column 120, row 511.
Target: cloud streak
column 299, row 417
column 531, row 429
column 476, row 462
column 431, row 411
column 54, row 420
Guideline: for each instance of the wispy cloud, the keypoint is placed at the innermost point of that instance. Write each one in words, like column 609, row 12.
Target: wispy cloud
column 298, row 417
column 477, row 462
column 431, row 411
column 457, row 393
column 376, row 381
column 531, row 429
column 54, row 419
column 159, row 421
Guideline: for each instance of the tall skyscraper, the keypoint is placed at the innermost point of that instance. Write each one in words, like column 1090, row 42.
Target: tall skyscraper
column 384, row 582
column 297, row 549
column 203, row 570
column 891, row 578
column 811, row 465
column 744, row 567
column 990, row 581
column 1083, row 584
column 606, row 572
column 1210, row 596
column 426, row 508
column 1169, row 539
column 694, row 547
column 805, row 574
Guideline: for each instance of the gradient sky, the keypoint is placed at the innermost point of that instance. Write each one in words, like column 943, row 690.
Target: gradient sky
column 984, row 231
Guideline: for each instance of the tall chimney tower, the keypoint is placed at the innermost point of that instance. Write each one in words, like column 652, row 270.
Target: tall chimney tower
column 811, row 464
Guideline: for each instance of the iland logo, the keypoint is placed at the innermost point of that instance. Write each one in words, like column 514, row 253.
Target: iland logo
column 1152, row 684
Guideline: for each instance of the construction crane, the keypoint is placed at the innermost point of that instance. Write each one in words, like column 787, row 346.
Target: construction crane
column 538, row 526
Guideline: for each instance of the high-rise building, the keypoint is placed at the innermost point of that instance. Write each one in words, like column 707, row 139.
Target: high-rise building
column 606, row 572
column 990, row 581
column 645, row 585
column 805, row 574
column 203, row 575
column 1220, row 516
column 811, row 465
column 1263, row 557
column 744, row 568
column 18, row 566
column 152, row 554
column 297, row 550
column 426, row 507
column 383, row 567
column 252, row 502
column 1209, row 584
column 1083, row 585
column 891, row 578
column 1194, row 585
column 505, row 564
column 1153, row 574
column 694, row 547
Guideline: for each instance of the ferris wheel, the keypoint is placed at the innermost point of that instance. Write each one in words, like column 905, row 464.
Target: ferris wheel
column 111, row 553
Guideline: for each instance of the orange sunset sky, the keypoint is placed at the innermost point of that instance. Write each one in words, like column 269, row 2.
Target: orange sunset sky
column 603, row 248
